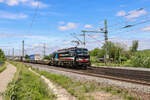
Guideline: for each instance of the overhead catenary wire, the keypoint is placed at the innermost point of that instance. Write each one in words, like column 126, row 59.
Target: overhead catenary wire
column 124, row 23
column 94, row 38
column 146, row 20
column 34, row 16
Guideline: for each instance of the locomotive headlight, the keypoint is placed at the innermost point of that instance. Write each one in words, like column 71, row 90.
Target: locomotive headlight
column 79, row 59
column 87, row 59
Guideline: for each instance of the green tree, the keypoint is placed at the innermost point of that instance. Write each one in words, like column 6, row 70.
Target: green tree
column 114, row 50
column 134, row 46
column 2, row 56
column 47, row 57
column 95, row 52
column 27, row 57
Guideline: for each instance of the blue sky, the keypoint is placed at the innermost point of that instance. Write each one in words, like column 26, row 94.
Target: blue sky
column 56, row 19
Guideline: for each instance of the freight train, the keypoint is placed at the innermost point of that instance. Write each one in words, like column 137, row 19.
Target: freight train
column 70, row 57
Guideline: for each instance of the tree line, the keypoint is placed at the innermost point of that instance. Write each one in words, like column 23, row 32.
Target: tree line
column 120, row 54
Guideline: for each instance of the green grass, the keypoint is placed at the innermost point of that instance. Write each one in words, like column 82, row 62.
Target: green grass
column 79, row 89
column 27, row 86
column 121, row 92
column 3, row 67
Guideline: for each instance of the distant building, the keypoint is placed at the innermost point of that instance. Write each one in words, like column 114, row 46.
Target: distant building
column 35, row 57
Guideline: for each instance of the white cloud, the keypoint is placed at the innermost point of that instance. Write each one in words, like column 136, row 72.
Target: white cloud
column 121, row 13
column 28, row 37
column 132, row 15
column 88, row 26
column 147, row 28
column 12, row 2
column 8, row 15
column 67, row 42
column 1, row 1
column 136, row 14
column 24, row 1
column 37, row 37
column 6, row 35
column 36, row 3
column 94, row 36
column 68, row 26
column 37, row 45
column 31, row 3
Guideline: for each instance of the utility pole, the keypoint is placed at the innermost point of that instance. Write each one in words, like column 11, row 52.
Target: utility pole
column 84, row 43
column 13, row 54
column 44, row 49
column 106, row 39
column 9, row 52
column 22, row 49
column 106, row 42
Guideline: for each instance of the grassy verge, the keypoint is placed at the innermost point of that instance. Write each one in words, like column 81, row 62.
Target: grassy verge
column 3, row 67
column 125, row 64
column 27, row 86
column 83, row 90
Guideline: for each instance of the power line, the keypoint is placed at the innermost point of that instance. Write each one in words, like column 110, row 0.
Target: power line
column 95, row 39
column 34, row 16
column 146, row 20
column 119, row 23
column 75, row 36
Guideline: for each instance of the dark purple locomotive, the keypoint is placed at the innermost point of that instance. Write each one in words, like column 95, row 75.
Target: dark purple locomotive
column 71, row 57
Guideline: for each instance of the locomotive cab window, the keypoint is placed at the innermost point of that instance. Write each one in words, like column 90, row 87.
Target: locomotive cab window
column 82, row 52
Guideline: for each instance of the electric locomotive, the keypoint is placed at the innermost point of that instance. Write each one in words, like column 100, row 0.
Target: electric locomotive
column 71, row 57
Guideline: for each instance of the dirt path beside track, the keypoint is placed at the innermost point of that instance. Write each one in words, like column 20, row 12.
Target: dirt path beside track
column 5, row 77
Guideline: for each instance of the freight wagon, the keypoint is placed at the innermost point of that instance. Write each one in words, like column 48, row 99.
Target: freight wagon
column 35, row 57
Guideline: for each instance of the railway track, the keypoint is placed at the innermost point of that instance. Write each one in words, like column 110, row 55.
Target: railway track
column 131, row 76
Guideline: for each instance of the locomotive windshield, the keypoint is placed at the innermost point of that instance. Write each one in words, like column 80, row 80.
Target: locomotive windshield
column 81, row 51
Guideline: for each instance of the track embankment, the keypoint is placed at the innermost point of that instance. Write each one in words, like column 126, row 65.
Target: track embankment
column 102, row 75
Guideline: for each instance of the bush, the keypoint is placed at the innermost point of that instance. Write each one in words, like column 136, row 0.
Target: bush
column 141, row 59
